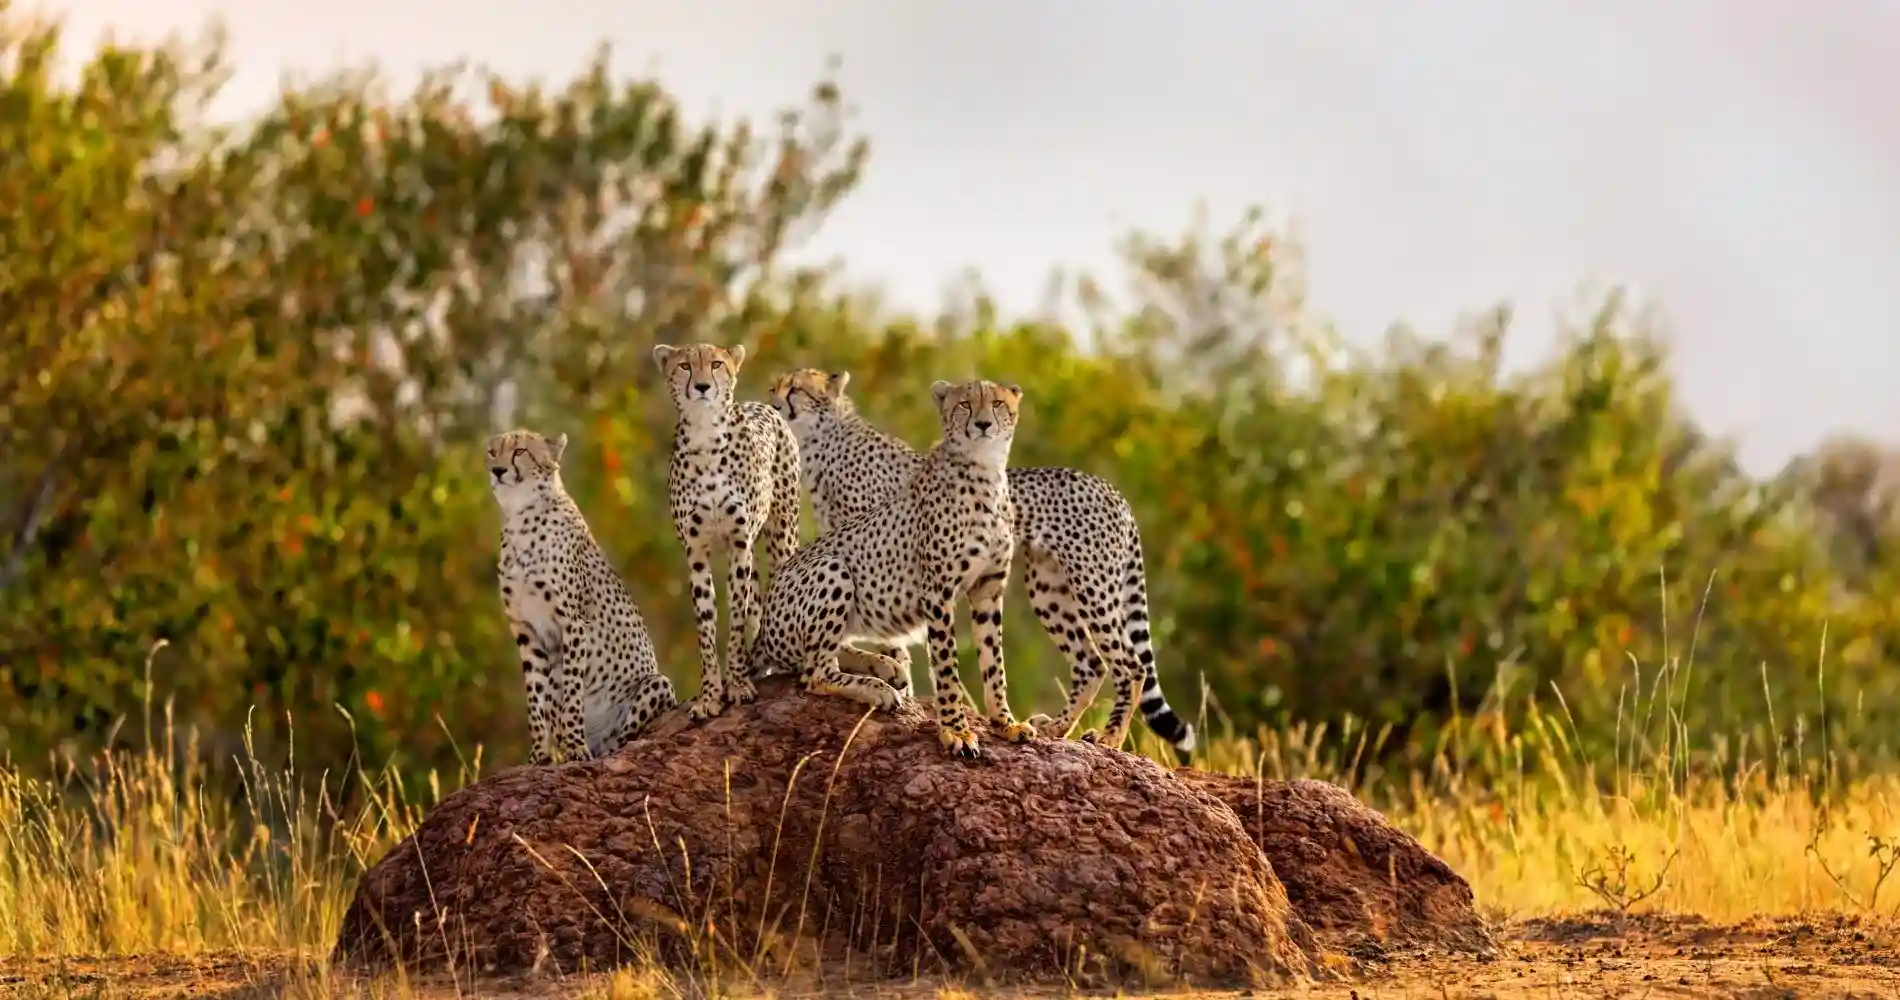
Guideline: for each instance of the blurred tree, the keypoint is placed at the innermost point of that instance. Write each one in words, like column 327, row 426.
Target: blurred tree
column 246, row 372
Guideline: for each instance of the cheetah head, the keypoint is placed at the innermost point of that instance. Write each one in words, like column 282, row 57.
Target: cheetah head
column 702, row 377
column 520, row 461
column 808, row 398
column 979, row 417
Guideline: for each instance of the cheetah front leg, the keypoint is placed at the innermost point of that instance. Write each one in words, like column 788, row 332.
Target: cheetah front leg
column 743, row 620
column 986, row 624
column 534, row 680
column 953, row 722
column 712, row 687
column 580, row 649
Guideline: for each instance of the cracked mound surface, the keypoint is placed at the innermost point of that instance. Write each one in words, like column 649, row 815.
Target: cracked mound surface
column 1349, row 873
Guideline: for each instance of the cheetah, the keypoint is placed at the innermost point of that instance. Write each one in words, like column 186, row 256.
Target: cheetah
column 734, row 474
column 897, row 568
column 592, row 680
column 1081, row 544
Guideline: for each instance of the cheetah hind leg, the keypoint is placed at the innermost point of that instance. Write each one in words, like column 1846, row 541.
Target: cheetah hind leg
column 865, row 686
column 892, row 660
column 1053, row 600
column 874, row 662
column 1128, row 676
column 650, row 697
column 891, row 664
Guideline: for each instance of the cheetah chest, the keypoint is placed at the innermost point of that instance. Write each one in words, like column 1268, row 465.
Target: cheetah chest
column 979, row 539
column 530, row 581
column 719, row 498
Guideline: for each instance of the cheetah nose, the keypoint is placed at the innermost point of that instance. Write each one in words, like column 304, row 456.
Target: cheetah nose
column 702, row 386
column 497, row 470
column 983, row 425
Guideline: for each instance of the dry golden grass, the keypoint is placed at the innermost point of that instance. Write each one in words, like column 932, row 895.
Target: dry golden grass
column 137, row 853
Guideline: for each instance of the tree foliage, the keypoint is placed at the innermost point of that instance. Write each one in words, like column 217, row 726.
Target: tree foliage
column 246, row 372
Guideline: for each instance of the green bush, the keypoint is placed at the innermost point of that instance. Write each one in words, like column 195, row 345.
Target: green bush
column 247, row 372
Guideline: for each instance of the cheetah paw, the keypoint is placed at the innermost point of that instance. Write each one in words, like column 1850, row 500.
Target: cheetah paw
column 960, row 742
column 1042, row 724
column 704, row 707
column 887, row 698
column 1092, row 736
column 740, row 691
column 1013, row 731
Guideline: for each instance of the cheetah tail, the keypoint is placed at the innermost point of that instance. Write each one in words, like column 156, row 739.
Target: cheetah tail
column 787, row 494
column 1155, row 709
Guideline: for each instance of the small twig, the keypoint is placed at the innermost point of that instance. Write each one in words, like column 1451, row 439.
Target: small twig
column 1886, row 855
column 1612, row 881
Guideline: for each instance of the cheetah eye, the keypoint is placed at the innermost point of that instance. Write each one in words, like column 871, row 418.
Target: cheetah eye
column 686, row 366
column 963, row 407
column 718, row 366
column 518, row 453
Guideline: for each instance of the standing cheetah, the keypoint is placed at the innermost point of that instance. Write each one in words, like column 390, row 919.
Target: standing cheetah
column 734, row 474
column 898, row 568
column 1082, row 549
column 592, row 680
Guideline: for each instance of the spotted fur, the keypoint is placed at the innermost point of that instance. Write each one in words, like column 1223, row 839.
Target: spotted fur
column 734, row 475
column 1081, row 550
column 586, row 658
column 897, row 569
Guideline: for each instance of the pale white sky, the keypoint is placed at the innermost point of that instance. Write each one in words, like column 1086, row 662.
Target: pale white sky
column 1739, row 160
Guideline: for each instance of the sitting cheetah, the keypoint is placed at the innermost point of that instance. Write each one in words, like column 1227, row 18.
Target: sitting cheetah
column 898, row 568
column 734, row 473
column 1081, row 545
column 592, row 680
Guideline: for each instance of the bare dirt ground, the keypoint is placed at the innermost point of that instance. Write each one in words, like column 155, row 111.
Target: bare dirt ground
column 1834, row 957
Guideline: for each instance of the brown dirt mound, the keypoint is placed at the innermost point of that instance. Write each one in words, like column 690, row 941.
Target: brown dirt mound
column 1349, row 873
column 752, row 835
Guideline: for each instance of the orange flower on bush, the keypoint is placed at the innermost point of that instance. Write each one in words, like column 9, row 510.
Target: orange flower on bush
column 374, row 700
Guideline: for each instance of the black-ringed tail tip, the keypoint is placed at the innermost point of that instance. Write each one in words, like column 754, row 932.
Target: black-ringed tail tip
column 1166, row 724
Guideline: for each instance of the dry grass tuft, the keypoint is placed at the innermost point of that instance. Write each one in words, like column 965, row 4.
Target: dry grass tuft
column 139, row 852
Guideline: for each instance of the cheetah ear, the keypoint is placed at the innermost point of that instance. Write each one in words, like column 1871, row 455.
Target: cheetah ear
column 939, row 389
column 738, row 355
column 663, row 355
column 1014, row 390
column 556, row 447
column 836, row 389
